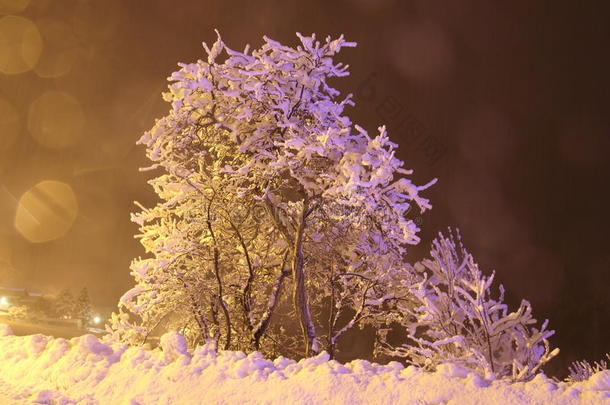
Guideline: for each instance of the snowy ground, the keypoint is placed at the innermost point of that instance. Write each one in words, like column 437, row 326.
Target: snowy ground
column 22, row 327
column 39, row 369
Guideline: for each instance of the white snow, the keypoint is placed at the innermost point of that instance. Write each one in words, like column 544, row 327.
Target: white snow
column 39, row 369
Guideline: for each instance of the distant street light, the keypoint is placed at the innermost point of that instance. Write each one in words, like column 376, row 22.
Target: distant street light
column 4, row 301
column 97, row 320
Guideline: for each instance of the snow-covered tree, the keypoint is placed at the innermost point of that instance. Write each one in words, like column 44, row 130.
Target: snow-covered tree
column 264, row 175
column 216, row 270
column 65, row 304
column 455, row 318
column 82, row 307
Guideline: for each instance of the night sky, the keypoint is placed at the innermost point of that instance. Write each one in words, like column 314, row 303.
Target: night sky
column 506, row 104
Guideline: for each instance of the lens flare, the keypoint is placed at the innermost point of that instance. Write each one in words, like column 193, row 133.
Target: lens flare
column 13, row 6
column 20, row 45
column 46, row 212
column 56, row 120
column 60, row 51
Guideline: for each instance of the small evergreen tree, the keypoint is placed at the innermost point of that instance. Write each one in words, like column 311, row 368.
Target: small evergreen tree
column 82, row 309
column 65, row 304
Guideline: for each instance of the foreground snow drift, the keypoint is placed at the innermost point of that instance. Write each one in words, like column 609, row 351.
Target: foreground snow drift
column 84, row 370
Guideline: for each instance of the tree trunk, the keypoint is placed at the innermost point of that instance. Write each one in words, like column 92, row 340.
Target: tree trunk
column 221, row 300
column 299, row 296
column 265, row 320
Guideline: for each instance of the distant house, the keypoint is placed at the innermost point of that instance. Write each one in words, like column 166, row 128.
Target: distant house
column 17, row 296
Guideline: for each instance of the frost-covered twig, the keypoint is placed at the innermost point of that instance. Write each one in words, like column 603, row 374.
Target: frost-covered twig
column 582, row 370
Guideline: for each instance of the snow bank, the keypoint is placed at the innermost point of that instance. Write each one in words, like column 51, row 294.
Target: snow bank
column 84, row 370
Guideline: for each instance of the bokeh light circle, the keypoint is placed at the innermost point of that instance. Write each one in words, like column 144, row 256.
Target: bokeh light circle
column 13, row 6
column 60, row 49
column 56, row 120
column 20, row 45
column 9, row 125
column 46, row 211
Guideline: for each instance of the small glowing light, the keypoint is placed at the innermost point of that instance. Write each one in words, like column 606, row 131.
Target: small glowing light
column 20, row 45
column 56, row 120
column 97, row 320
column 4, row 301
column 46, row 212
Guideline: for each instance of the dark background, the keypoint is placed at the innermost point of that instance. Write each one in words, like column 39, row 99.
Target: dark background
column 506, row 103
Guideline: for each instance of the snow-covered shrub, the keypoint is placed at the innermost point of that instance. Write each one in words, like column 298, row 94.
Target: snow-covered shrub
column 457, row 319
column 17, row 312
column 582, row 370
column 265, row 184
